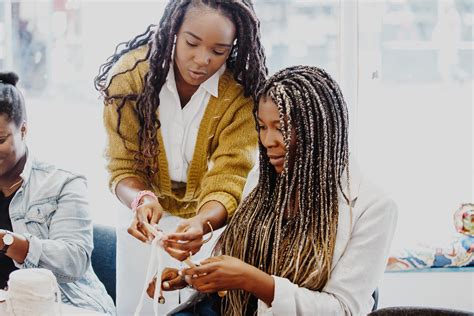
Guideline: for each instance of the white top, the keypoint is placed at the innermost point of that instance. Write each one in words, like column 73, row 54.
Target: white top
column 359, row 260
column 179, row 126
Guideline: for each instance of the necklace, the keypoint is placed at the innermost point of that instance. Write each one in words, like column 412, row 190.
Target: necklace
column 15, row 184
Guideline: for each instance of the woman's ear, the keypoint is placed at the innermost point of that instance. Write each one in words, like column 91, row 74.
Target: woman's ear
column 23, row 130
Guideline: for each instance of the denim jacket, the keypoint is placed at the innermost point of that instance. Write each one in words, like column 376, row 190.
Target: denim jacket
column 51, row 210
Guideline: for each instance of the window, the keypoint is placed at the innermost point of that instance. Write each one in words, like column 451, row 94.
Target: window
column 405, row 67
column 414, row 118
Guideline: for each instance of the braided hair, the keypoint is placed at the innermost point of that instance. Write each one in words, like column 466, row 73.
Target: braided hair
column 246, row 61
column 287, row 225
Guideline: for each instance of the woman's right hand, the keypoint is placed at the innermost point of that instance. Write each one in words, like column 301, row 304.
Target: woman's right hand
column 149, row 211
column 170, row 281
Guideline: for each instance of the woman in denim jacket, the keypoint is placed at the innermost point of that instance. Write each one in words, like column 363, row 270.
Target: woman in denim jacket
column 44, row 213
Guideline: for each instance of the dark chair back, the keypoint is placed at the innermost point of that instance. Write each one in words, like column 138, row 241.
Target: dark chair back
column 104, row 257
column 375, row 296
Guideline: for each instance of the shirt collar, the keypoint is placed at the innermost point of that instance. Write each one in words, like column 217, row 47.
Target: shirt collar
column 211, row 85
column 25, row 174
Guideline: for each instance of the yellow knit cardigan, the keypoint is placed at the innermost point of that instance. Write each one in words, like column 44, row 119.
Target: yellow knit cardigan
column 225, row 147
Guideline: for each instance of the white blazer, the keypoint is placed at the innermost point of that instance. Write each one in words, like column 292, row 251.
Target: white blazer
column 360, row 255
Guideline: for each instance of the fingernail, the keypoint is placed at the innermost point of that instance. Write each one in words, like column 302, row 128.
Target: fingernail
column 195, row 276
column 166, row 285
column 180, row 273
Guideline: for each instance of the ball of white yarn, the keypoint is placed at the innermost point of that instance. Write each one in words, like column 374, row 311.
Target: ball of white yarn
column 33, row 292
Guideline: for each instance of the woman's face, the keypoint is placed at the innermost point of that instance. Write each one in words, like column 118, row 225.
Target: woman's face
column 12, row 146
column 203, row 44
column 270, row 132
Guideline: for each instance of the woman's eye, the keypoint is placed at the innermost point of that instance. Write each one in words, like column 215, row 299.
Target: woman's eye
column 191, row 44
column 2, row 140
column 261, row 127
column 219, row 53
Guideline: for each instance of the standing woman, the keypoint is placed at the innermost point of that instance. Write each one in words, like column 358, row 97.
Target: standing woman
column 313, row 237
column 181, row 136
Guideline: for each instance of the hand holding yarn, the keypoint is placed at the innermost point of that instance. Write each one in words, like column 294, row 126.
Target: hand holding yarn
column 147, row 210
column 188, row 238
column 218, row 274
column 170, row 281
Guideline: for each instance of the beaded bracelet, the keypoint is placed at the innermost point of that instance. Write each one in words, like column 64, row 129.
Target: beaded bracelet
column 136, row 201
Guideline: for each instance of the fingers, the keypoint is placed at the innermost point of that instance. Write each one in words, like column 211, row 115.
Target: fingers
column 156, row 216
column 205, row 284
column 136, row 232
column 208, row 288
column 200, row 270
column 187, row 230
column 169, row 274
column 174, row 284
column 171, row 280
column 182, row 226
column 181, row 250
column 184, row 246
column 144, row 215
column 179, row 254
column 148, row 213
column 186, row 236
column 151, row 288
column 212, row 259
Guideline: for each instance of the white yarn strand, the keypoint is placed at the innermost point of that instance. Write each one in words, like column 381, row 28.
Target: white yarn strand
column 155, row 267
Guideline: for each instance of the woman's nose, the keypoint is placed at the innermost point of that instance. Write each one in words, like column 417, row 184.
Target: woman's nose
column 202, row 58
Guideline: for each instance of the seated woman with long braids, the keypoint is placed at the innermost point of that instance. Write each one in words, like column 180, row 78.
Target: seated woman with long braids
column 313, row 236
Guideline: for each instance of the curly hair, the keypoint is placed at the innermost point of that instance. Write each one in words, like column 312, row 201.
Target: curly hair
column 246, row 61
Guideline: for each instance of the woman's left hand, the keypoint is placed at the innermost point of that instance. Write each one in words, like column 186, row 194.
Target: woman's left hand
column 187, row 240
column 219, row 273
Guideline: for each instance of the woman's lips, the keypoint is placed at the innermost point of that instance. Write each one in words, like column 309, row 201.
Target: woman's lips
column 277, row 160
column 196, row 75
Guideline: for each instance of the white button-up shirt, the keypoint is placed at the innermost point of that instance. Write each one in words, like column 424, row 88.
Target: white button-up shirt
column 180, row 126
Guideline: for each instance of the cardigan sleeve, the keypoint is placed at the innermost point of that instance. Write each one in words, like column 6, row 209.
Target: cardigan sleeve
column 354, row 277
column 120, row 160
column 120, row 148
column 234, row 156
